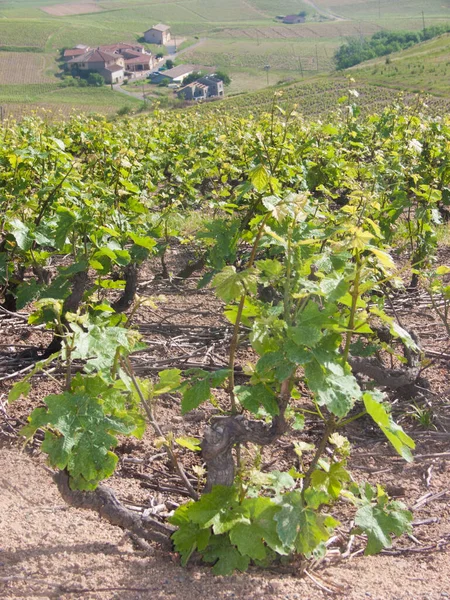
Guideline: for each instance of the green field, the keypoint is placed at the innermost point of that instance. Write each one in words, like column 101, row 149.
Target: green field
column 241, row 36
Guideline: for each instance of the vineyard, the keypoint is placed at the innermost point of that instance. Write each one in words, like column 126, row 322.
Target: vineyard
column 320, row 97
column 240, row 324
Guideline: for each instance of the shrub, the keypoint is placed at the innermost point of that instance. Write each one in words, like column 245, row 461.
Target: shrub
column 95, row 79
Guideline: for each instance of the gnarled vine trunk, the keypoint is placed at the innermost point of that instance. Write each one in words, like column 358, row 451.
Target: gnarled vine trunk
column 71, row 304
column 131, row 278
column 225, row 432
column 104, row 502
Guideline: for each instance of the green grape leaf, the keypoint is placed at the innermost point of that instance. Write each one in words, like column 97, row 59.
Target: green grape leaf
column 297, row 354
column 21, row 388
column 248, row 540
column 80, row 436
column 401, row 441
column 261, row 512
column 304, row 335
column 190, row 443
column 270, row 268
column 313, row 531
column 4, row 269
column 231, row 285
column 66, row 220
column 331, row 480
column 334, row 386
column 252, row 397
column 274, row 364
column 302, row 527
column 194, row 395
column 99, row 345
column 259, row 177
column 288, row 519
column 59, row 289
column 27, row 292
column 21, row 233
column 188, row 538
column 212, row 506
column 200, row 389
column 379, row 521
column 145, row 242
column 226, row 557
column 169, row 380
column 299, row 422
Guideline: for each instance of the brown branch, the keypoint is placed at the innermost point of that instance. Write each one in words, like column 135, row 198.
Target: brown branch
column 391, row 378
column 104, row 502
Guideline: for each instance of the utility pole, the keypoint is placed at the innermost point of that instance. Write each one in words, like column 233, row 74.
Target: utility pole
column 423, row 22
column 379, row 9
column 317, row 60
column 300, row 65
column 266, row 69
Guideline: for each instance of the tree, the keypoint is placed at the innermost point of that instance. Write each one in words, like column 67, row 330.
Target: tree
column 192, row 77
column 95, row 79
column 169, row 63
column 224, row 77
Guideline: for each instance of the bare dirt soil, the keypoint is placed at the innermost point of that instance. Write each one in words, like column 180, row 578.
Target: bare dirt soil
column 49, row 550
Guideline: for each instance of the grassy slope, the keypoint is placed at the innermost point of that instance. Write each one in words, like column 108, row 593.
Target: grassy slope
column 422, row 68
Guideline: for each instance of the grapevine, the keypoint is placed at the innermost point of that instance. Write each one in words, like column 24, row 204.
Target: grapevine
column 299, row 222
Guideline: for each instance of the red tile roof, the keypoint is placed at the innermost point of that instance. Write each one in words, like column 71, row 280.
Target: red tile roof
column 96, row 55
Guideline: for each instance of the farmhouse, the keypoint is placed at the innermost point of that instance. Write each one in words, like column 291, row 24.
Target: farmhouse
column 204, row 87
column 111, row 61
column 193, row 91
column 135, row 56
column 158, row 34
column 123, row 47
column 110, row 66
column 73, row 52
column 175, row 75
column 292, row 19
column 215, row 86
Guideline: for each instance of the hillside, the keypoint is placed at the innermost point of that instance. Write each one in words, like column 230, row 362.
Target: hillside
column 247, row 38
column 423, row 68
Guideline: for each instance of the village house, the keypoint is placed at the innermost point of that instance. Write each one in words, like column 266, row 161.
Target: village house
column 158, row 34
column 70, row 53
column 110, row 66
column 214, row 84
column 205, row 87
column 112, row 61
column 293, row 19
column 175, row 75
column 193, row 91
column 135, row 56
